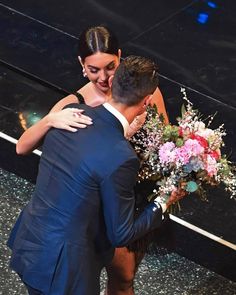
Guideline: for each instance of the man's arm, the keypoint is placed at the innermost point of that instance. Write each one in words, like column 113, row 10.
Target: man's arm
column 118, row 205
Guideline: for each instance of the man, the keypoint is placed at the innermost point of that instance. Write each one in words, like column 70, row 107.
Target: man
column 83, row 203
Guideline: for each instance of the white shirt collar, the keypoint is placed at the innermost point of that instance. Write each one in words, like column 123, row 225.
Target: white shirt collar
column 118, row 115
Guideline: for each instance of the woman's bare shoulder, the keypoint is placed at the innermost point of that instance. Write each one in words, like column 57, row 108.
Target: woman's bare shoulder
column 71, row 98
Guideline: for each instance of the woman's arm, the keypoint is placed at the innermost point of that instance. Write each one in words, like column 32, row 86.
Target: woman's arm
column 158, row 100
column 58, row 118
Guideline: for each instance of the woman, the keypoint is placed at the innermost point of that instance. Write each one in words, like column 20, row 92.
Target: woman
column 99, row 56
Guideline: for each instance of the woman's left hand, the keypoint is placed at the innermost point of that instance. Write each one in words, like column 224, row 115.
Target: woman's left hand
column 136, row 124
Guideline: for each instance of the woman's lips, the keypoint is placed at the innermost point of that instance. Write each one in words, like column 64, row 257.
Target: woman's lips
column 103, row 84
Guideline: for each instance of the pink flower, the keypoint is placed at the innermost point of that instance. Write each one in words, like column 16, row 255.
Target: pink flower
column 191, row 148
column 210, row 165
column 194, row 147
column 183, row 155
column 167, row 153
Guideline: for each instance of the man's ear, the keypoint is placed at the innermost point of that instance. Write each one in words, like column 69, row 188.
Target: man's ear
column 145, row 103
column 119, row 54
column 110, row 79
column 147, row 100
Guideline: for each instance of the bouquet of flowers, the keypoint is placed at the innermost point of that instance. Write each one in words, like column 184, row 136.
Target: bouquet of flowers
column 186, row 155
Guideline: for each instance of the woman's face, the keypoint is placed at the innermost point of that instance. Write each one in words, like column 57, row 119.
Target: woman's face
column 99, row 67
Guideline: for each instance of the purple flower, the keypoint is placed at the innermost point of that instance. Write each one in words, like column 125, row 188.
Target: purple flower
column 167, row 153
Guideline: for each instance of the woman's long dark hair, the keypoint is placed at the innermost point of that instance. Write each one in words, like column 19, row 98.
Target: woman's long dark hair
column 97, row 39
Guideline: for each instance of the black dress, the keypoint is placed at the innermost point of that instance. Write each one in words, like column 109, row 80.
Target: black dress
column 159, row 241
column 80, row 97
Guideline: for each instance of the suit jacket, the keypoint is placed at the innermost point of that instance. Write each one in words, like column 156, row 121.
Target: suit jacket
column 82, row 207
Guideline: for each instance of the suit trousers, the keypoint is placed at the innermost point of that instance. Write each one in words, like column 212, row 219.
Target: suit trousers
column 33, row 291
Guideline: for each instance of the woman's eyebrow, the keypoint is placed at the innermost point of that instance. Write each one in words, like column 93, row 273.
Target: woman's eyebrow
column 93, row 67
column 96, row 68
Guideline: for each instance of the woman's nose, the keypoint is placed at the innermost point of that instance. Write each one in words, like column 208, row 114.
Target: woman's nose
column 103, row 76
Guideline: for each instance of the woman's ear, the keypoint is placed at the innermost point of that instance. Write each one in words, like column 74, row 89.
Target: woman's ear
column 82, row 65
column 81, row 62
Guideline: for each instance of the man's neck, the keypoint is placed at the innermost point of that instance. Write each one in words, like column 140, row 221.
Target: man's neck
column 129, row 112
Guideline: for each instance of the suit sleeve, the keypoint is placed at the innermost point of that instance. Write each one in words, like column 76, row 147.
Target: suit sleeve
column 119, row 204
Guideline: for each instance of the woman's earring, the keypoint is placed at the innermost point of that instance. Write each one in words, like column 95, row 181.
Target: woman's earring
column 84, row 73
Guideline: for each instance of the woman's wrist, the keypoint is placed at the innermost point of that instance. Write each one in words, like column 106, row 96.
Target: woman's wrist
column 48, row 120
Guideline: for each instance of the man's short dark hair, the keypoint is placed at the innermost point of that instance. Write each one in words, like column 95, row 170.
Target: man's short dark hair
column 135, row 78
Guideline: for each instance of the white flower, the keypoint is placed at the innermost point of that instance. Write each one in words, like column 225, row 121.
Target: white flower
column 206, row 133
column 199, row 126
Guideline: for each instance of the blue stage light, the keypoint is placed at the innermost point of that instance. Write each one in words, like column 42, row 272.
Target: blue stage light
column 202, row 17
column 211, row 4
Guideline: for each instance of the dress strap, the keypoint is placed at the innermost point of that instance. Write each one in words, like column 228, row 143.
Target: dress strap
column 80, row 97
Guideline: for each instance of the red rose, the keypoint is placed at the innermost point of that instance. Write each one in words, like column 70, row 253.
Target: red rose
column 180, row 132
column 202, row 141
column 214, row 155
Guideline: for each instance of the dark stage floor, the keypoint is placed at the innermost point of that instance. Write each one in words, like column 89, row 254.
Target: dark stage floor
column 169, row 274
column 194, row 43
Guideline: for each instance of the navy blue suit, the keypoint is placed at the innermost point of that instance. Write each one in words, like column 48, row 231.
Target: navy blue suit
column 82, row 207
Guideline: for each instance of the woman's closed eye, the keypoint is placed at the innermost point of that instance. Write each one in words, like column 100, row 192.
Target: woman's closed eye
column 111, row 66
column 93, row 70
